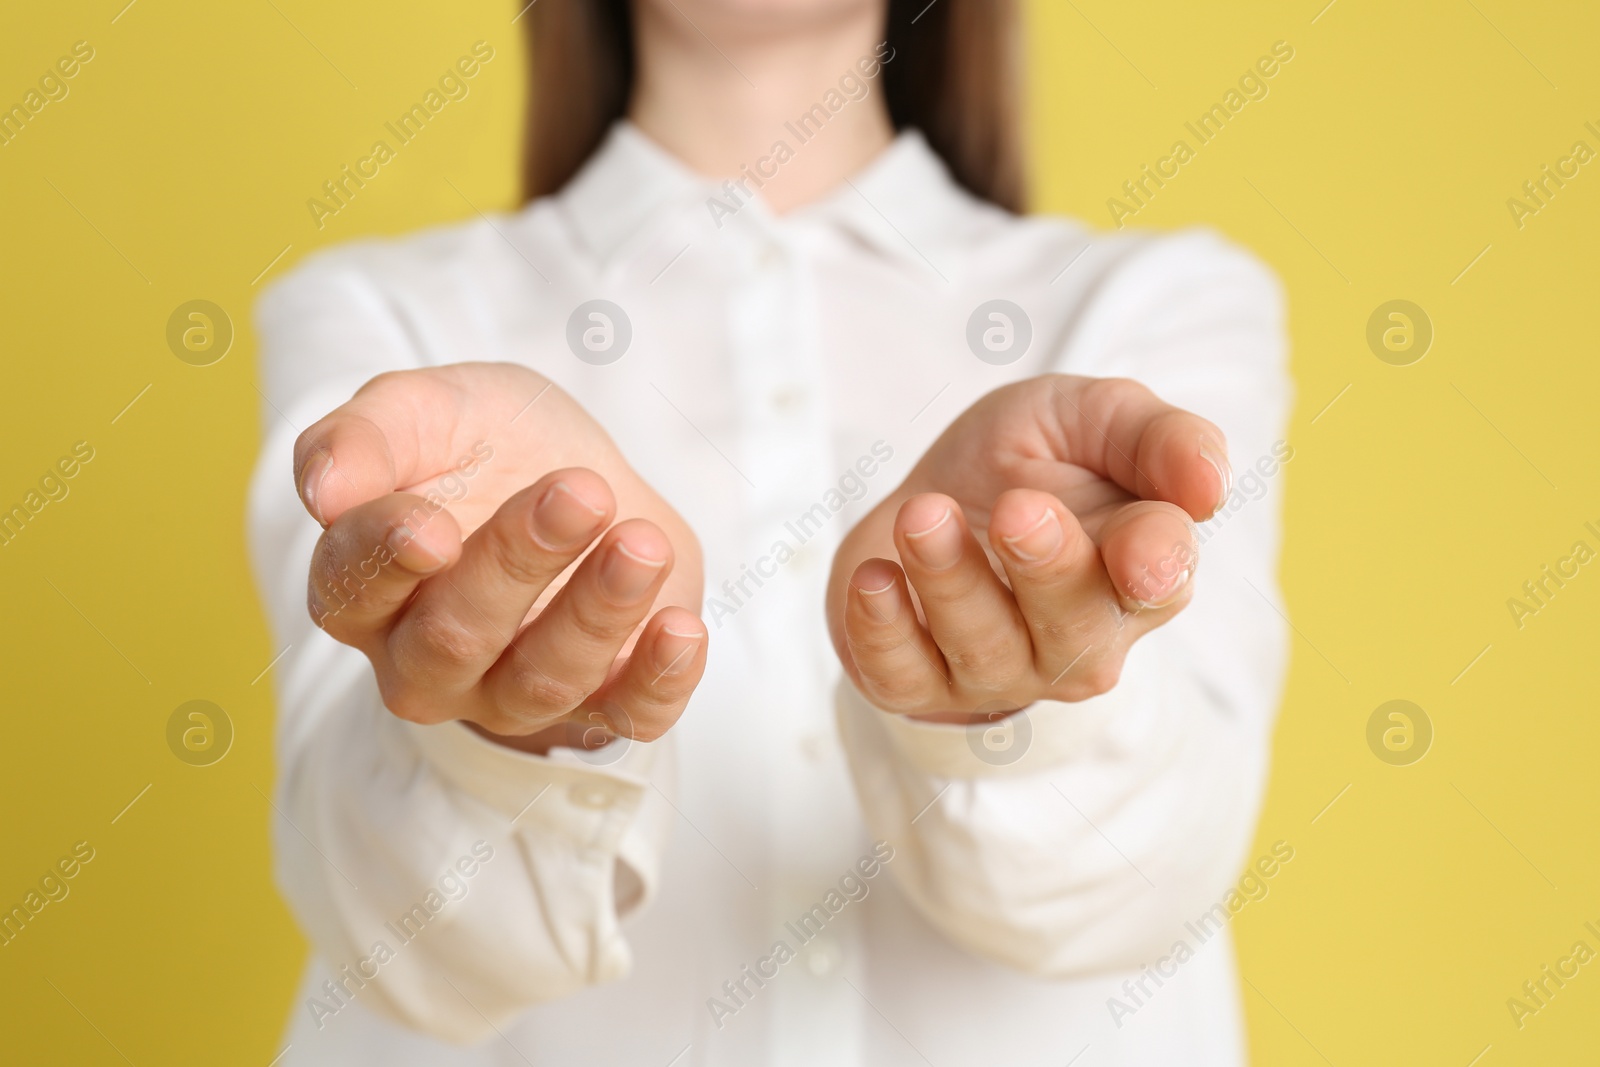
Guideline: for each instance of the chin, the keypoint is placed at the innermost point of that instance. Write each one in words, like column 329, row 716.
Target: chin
column 767, row 15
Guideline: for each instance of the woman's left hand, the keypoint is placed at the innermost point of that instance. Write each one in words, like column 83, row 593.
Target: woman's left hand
column 1046, row 530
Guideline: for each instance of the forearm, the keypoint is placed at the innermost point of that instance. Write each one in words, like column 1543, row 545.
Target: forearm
column 374, row 817
column 461, row 881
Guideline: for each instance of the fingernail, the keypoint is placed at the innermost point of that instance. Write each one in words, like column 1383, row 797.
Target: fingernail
column 938, row 546
column 882, row 603
column 677, row 649
column 311, row 479
column 1163, row 596
column 562, row 519
column 410, row 553
column 1039, row 542
column 1217, row 456
column 626, row 576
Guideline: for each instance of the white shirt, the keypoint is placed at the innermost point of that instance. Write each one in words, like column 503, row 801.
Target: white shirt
column 768, row 356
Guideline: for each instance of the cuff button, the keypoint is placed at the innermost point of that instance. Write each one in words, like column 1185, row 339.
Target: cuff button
column 593, row 797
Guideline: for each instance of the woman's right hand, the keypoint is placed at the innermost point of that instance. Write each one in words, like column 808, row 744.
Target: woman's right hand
column 468, row 549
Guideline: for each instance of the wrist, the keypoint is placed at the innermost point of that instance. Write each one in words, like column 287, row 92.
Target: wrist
column 565, row 734
column 968, row 718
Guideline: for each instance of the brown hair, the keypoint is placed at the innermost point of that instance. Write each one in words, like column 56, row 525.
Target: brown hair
column 953, row 77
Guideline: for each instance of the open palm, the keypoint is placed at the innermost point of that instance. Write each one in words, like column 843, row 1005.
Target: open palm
column 470, row 551
column 1083, row 491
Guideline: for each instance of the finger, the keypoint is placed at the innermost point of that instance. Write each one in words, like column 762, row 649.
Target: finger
column 369, row 563
column 566, row 653
column 893, row 659
column 462, row 622
column 1056, row 576
column 644, row 699
column 399, row 430
column 1121, row 430
column 971, row 614
column 1150, row 554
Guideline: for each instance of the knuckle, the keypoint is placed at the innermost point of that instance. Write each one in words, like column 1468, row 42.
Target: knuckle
column 518, row 558
column 532, row 687
column 874, row 642
column 436, row 640
column 897, row 691
column 986, row 656
column 1101, row 677
column 666, row 692
column 965, row 582
column 385, row 381
column 405, row 702
column 509, row 723
column 594, row 624
column 1053, row 631
column 1115, row 392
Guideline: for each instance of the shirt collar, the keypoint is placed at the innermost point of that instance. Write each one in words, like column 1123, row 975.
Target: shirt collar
column 903, row 204
column 629, row 183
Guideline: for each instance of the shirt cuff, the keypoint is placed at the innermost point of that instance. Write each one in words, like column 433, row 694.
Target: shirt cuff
column 608, row 808
column 1036, row 739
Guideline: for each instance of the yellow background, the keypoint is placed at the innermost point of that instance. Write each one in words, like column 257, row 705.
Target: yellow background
column 1417, row 504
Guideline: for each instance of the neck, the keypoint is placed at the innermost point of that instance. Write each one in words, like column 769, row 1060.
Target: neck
column 724, row 108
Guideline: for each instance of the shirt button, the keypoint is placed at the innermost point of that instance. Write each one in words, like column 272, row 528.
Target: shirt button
column 789, row 399
column 814, row 746
column 591, row 796
column 824, row 957
column 770, row 257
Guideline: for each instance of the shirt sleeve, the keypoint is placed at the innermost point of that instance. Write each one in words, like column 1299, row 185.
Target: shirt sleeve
column 377, row 821
column 1078, row 837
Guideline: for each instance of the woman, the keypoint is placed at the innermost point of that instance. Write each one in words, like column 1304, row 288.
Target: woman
column 769, row 397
